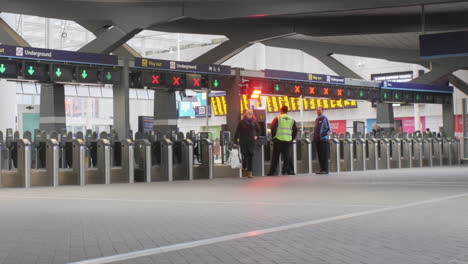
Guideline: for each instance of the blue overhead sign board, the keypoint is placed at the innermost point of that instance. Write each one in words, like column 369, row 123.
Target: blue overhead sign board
column 416, row 87
column 181, row 66
column 57, row 55
column 301, row 76
column 443, row 45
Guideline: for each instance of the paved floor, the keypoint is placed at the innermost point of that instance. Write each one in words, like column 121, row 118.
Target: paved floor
column 393, row 216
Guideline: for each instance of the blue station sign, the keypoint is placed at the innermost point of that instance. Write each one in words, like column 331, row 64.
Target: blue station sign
column 57, row 55
column 181, row 66
column 417, row 87
column 301, row 76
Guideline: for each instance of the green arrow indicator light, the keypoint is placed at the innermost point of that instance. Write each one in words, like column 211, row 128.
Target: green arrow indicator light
column 58, row 72
column 418, row 97
column 277, row 88
column 31, row 70
column 385, row 95
column 361, row 93
column 2, row 68
column 216, row 83
column 397, row 96
column 84, row 74
column 108, row 76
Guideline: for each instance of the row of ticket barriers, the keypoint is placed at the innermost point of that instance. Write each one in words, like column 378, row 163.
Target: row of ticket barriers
column 366, row 152
column 53, row 159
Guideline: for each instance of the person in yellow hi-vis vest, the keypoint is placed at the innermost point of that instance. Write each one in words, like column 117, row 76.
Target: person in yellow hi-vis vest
column 283, row 132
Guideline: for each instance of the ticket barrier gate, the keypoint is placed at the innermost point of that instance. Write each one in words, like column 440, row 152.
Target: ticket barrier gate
column 395, row 153
column 436, row 151
column 143, row 160
column 406, row 153
column 372, row 154
column 427, row 152
column 334, row 161
column 205, row 169
column 417, row 160
column 359, row 154
column 18, row 174
column 72, row 168
column 183, row 159
column 346, row 158
column 161, row 158
column 99, row 160
column 383, row 154
column 304, row 156
column 44, row 170
column 455, row 151
column 122, row 167
column 262, row 149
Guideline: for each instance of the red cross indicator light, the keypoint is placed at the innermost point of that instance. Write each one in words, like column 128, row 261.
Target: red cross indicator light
column 297, row 89
column 156, row 79
column 175, row 80
column 339, row 92
column 196, row 82
column 326, row 91
column 312, row 90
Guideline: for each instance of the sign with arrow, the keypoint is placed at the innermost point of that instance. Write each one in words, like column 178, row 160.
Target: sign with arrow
column 110, row 75
column 8, row 69
column 87, row 74
column 61, row 73
column 36, row 71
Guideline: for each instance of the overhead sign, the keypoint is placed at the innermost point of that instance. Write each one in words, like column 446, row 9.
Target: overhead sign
column 274, row 103
column 181, row 66
column 61, row 73
column 36, row 71
column 86, row 74
column 416, row 87
column 57, row 55
column 8, row 69
column 111, row 75
column 301, row 76
column 442, row 45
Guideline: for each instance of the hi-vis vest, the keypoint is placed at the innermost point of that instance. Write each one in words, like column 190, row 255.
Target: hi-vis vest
column 284, row 130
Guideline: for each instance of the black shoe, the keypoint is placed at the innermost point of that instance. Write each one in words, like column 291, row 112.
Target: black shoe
column 291, row 173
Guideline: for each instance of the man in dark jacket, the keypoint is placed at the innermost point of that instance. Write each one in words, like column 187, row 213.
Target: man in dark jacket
column 322, row 140
column 283, row 132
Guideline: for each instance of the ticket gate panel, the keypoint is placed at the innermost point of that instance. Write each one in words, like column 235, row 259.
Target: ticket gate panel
column 304, row 165
column 359, row 161
column 334, row 162
column 446, row 152
column 314, row 158
column 437, row 152
column 162, row 171
column 346, row 164
column 143, row 160
column 406, row 157
column 258, row 160
column 417, row 153
column 371, row 154
column 183, row 163
column 427, row 152
column 384, row 154
column 21, row 176
column 395, row 153
column 205, row 170
column 456, row 153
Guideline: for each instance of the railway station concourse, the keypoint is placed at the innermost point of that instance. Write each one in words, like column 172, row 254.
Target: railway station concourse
column 120, row 120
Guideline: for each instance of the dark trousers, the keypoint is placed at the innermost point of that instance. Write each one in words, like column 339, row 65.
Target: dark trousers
column 247, row 161
column 323, row 150
column 283, row 148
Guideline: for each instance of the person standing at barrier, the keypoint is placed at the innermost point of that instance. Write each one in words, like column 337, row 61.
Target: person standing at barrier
column 283, row 131
column 247, row 133
column 322, row 140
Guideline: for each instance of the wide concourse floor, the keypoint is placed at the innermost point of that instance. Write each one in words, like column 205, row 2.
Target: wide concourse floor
column 392, row 216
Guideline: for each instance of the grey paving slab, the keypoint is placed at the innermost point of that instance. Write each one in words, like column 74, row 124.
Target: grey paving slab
column 59, row 225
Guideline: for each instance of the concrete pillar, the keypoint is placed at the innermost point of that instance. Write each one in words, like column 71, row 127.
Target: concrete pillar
column 8, row 107
column 417, row 118
column 122, row 103
column 448, row 117
column 52, row 107
column 233, row 103
column 165, row 111
column 385, row 117
column 465, row 128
